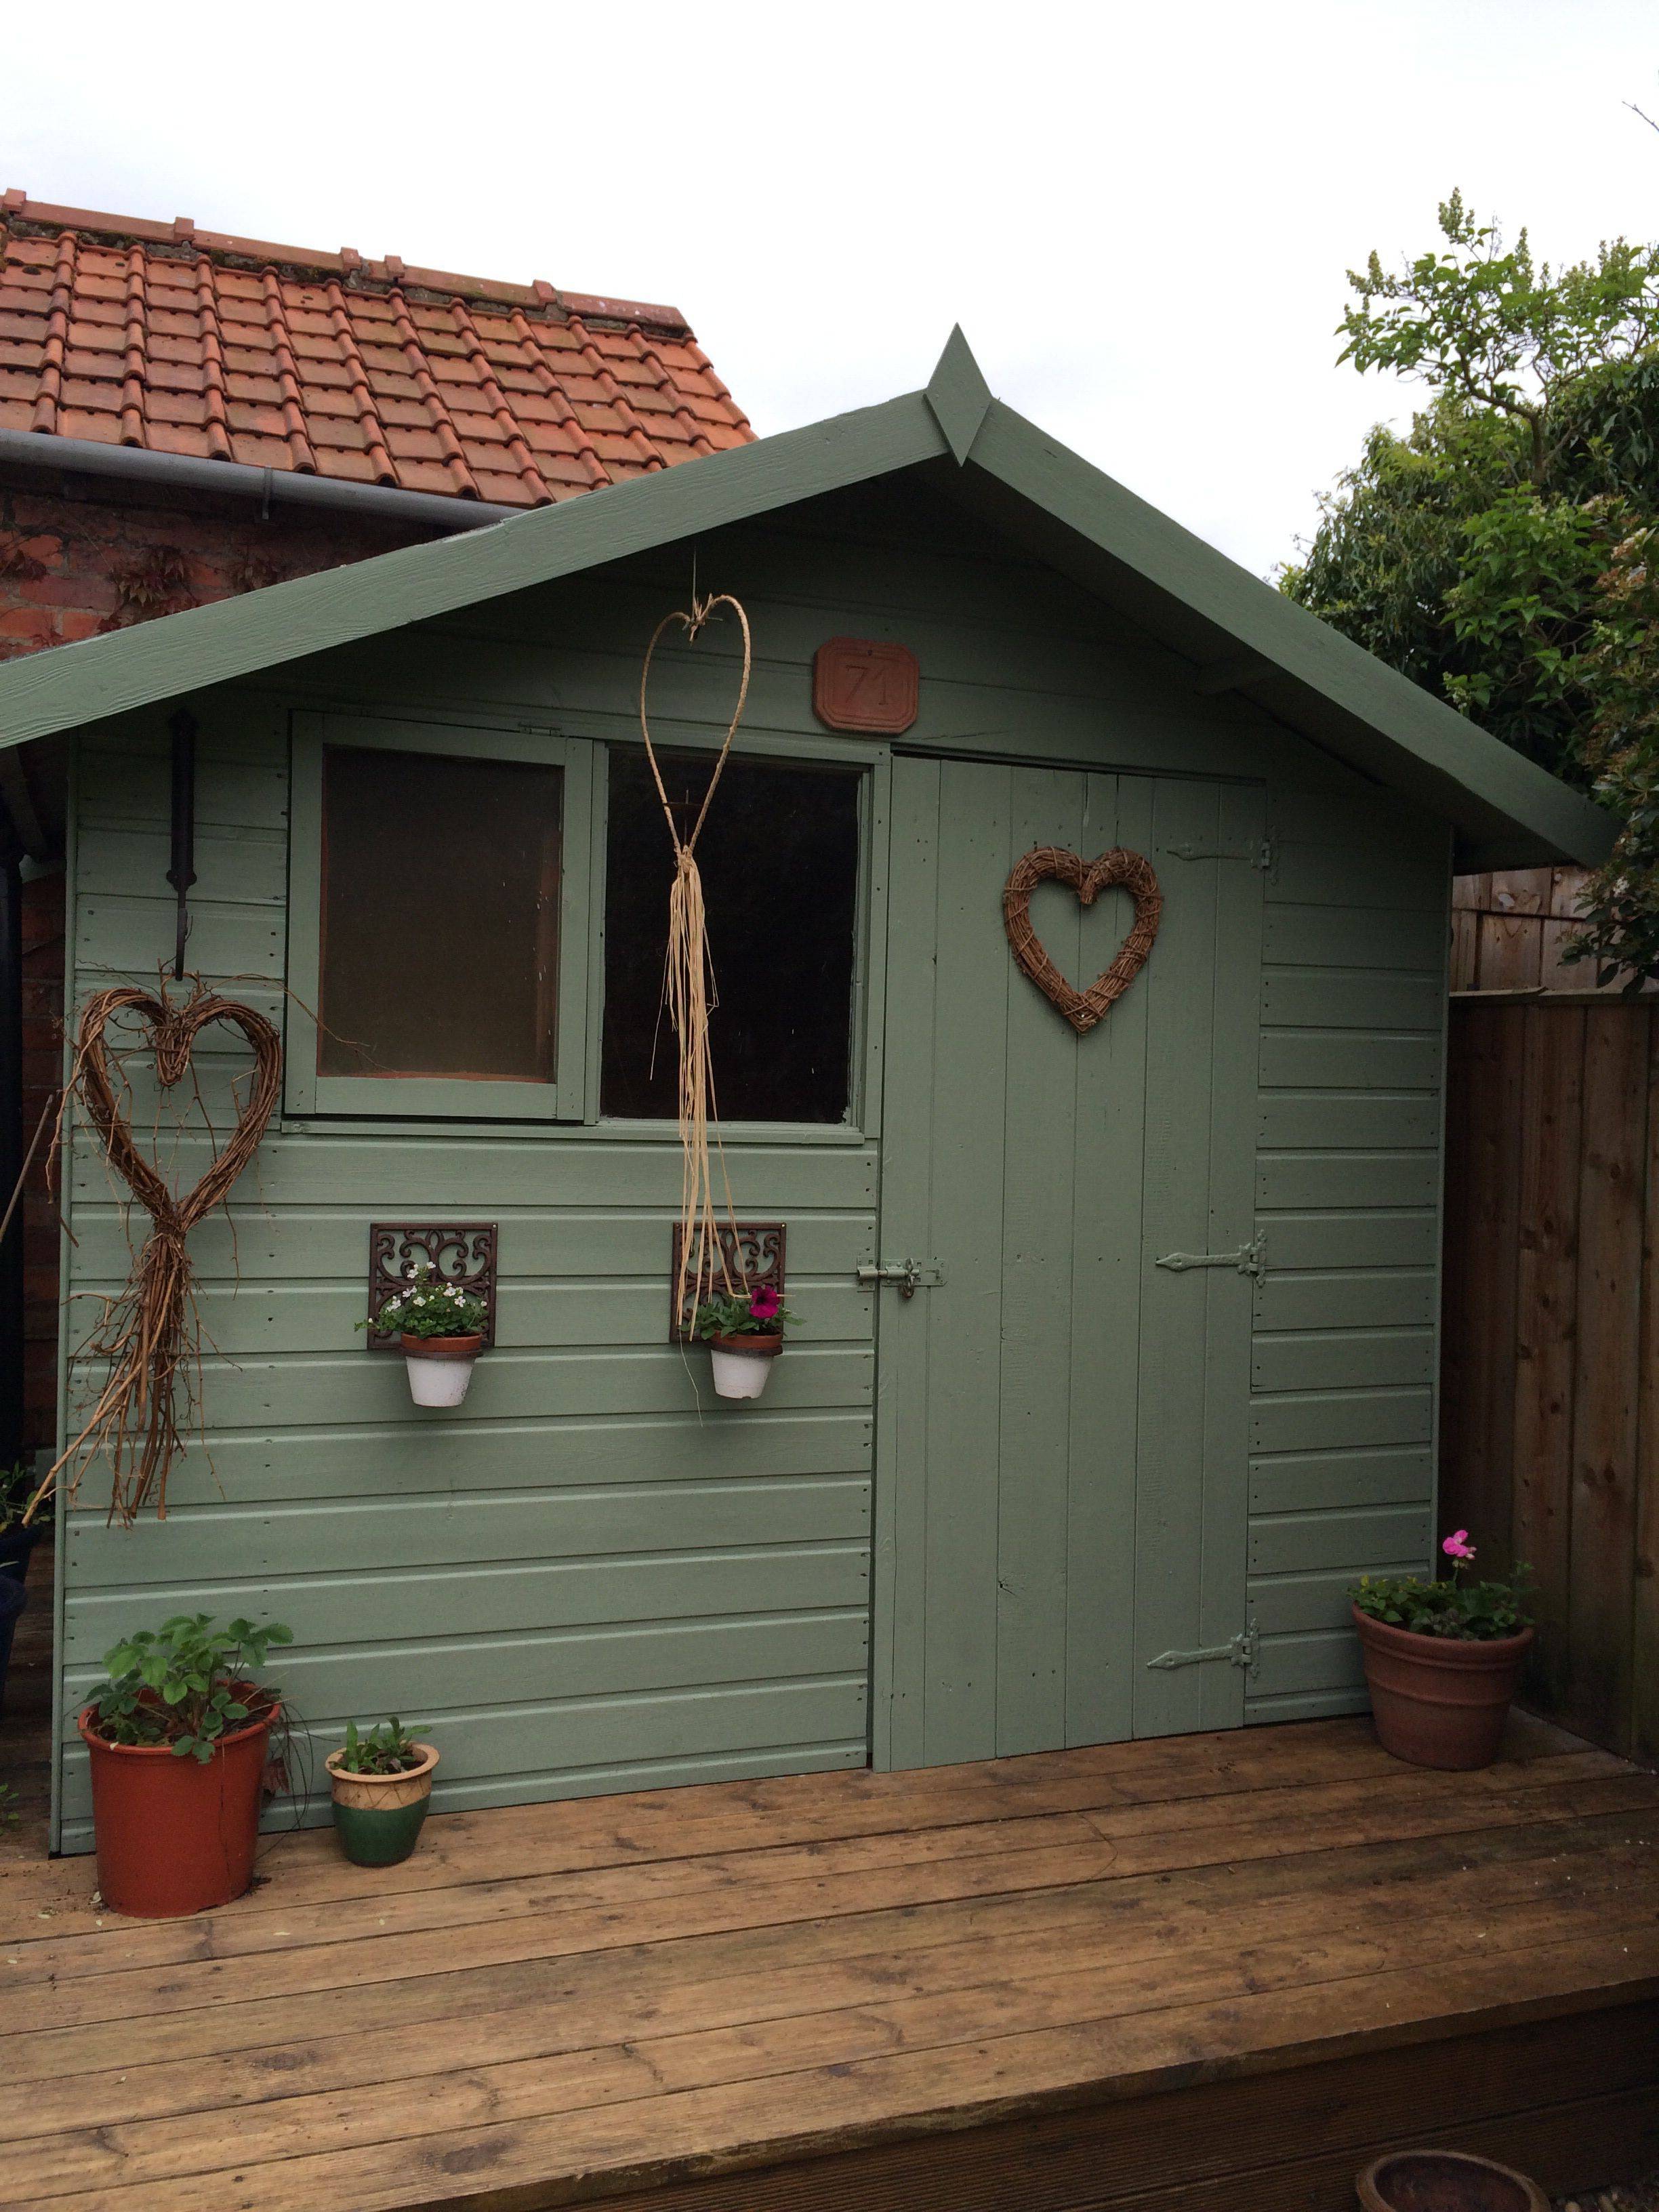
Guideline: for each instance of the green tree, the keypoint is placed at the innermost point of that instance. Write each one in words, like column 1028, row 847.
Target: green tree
column 1497, row 552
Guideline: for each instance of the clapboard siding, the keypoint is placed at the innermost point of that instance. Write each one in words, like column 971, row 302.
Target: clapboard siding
column 596, row 1575
column 1348, row 1191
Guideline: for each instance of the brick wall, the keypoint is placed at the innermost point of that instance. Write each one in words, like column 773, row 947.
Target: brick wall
column 72, row 567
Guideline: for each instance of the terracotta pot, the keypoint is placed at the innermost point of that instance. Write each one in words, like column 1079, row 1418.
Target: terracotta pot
column 176, row 1835
column 377, row 1817
column 742, row 1365
column 1446, row 2181
column 439, row 1367
column 1440, row 1700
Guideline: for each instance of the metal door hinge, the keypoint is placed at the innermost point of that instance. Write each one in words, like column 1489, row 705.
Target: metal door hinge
column 1259, row 852
column 1249, row 1259
column 910, row 1275
column 1243, row 1651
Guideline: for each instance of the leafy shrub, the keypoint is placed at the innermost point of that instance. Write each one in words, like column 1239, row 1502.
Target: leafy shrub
column 429, row 1307
column 388, row 1749
column 17, row 1486
column 181, row 1685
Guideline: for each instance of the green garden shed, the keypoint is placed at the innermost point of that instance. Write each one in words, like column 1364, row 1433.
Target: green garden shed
column 1117, row 1350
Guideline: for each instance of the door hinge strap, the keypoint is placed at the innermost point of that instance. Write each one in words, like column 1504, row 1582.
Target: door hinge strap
column 1259, row 852
column 1243, row 1651
column 1249, row 1259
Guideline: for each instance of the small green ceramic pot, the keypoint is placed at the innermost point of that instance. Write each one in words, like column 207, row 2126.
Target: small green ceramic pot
column 379, row 1817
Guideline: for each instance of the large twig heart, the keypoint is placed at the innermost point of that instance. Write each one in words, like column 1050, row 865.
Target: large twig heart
column 148, row 1333
column 1088, row 879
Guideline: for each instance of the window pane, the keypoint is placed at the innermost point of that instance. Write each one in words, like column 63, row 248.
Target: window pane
column 779, row 859
column 441, row 908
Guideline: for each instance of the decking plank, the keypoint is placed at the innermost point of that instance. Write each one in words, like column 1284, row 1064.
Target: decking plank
column 1096, row 1983
column 1162, row 1834
column 505, row 2166
column 576, row 2007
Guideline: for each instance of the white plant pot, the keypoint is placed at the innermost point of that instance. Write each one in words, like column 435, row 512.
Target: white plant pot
column 742, row 1374
column 439, row 1369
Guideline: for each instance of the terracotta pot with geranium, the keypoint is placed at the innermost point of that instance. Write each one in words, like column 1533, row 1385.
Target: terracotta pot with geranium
column 441, row 1329
column 744, row 1331
column 1443, row 1659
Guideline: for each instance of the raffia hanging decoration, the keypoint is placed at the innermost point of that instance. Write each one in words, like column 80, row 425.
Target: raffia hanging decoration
column 688, row 992
column 150, row 1333
column 1054, row 864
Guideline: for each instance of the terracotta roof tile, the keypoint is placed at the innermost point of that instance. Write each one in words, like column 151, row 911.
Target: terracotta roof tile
column 188, row 341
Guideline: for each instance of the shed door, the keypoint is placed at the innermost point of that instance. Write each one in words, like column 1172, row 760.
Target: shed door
column 1063, row 1422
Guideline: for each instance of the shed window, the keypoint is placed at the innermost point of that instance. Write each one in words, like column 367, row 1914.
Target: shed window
column 439, row 920
column 779, row 856
column 440, row 916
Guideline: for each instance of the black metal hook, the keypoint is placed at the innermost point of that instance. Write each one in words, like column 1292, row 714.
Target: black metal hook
column 182, row 873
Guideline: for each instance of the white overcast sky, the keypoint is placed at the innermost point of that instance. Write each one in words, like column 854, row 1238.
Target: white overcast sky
column 1140, row 214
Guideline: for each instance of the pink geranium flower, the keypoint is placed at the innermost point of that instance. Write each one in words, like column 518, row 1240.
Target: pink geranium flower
column 1457, row 1545
column 763, row 1306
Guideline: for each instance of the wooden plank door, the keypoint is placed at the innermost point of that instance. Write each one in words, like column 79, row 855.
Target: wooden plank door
column 1061, row 1444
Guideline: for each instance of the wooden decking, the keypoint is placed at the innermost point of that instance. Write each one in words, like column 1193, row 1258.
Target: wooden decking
column 1204, row 1973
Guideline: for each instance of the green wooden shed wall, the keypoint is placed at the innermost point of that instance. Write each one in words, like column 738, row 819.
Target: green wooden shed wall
column 585, row 1581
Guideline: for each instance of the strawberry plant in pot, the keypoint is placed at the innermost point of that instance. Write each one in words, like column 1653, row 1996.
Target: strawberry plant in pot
column 744, row 1331
column 178, row 1737
column 381, row 1784
column 441, row 1328
column 1441, row 1659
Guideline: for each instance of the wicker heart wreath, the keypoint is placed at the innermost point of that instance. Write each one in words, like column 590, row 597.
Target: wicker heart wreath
column 149, row 1332
column 1088, row 879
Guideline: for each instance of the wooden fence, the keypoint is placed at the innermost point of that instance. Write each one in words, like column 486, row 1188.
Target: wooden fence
column 1550, row 1411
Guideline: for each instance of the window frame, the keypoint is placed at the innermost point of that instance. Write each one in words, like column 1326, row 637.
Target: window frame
column 463, row 1099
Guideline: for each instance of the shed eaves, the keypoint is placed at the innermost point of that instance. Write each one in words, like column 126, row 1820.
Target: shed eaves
column 1233, row 630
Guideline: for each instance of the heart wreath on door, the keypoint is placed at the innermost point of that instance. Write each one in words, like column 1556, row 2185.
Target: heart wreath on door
column 1120, row 868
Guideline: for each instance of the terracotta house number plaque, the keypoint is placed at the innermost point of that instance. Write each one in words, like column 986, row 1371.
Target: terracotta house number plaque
column 859, row 683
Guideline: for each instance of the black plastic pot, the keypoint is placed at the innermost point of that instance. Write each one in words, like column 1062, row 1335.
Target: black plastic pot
column 17, row 1543
column 13, row 1598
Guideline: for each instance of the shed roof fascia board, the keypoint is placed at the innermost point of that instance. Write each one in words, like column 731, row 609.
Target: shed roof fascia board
column 1364, row 710
column 1438, row 756
column 72, row 685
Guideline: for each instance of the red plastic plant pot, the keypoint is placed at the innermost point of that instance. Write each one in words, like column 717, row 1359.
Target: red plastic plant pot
column 176, row 1835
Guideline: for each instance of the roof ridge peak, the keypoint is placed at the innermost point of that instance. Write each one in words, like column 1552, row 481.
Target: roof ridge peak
column 183, row 239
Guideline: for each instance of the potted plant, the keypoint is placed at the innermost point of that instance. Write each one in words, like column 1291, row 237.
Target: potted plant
column 382, row 1788
column 1406, row 2180
column 440, row 1327
column 177, row 1738
column 744, row 1331
column 1441, row 1660
column 17, row 1486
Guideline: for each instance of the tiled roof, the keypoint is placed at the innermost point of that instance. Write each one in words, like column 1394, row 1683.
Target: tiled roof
column 186, row 341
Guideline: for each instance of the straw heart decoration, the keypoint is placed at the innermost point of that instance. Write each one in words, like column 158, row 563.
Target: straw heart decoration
column 687, row 986
column 1054, row 864
column 149, row 1333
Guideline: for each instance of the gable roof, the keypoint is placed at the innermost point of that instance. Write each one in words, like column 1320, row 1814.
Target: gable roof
column 1235, row 631
column 182, row 341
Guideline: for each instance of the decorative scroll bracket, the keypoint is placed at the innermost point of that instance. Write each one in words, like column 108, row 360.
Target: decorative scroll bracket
column 461, row 1252
column 753, row 1252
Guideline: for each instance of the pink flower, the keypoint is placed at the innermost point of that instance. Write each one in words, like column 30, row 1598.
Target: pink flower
column 763, row 1306
column 1457, row 1545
